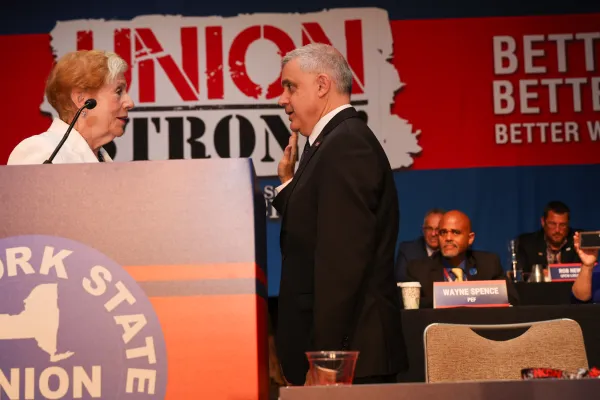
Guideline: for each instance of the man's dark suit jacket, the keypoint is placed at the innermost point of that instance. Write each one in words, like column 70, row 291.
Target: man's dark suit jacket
column 431, row 270
column 338, row 233
column 531, row 250
column 409, row 251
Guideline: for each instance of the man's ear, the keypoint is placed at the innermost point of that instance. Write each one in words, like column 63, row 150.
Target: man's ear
column 471, row 238
column 324, row 83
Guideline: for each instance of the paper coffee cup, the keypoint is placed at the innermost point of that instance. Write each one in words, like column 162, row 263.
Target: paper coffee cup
column 411, row 294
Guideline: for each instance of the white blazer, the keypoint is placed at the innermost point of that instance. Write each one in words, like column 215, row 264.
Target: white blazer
column 37, row 149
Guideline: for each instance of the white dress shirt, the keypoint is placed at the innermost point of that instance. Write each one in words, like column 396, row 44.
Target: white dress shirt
column 37, row 149
column 315, row 134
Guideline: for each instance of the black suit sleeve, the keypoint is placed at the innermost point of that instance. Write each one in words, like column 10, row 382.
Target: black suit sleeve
column 346, row 226
column 281, row 198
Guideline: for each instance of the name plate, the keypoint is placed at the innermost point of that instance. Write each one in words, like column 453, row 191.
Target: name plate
column 470, row 294
column 564, row 272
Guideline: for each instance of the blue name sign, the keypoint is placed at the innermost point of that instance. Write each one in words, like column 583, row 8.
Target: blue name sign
column 470, row 294
column 564, row 272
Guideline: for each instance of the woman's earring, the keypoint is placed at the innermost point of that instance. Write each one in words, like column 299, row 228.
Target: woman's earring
column 84, row 113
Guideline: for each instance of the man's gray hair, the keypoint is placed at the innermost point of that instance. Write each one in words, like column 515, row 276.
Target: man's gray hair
column 322, row 58
column 432, row 212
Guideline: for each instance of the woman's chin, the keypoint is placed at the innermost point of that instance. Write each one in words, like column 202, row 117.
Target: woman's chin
column 118, row 133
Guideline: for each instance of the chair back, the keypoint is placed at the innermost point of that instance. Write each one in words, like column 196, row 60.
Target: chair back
column 456, row 353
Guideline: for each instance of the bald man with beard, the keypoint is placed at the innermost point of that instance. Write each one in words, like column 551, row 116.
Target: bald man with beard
column 456, row 261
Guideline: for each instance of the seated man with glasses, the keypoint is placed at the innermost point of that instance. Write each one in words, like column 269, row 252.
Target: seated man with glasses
column 456, row 261
column 553, row 244
column 422, row 247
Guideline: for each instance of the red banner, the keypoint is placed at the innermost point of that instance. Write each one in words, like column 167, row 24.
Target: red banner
column 501, row 91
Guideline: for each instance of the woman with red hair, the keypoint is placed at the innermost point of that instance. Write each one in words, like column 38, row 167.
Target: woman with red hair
column 76, row 78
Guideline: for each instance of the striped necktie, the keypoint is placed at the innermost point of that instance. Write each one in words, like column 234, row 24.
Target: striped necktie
column 458, row 273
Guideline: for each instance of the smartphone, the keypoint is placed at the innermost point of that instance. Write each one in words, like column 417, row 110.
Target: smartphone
column 589, row 240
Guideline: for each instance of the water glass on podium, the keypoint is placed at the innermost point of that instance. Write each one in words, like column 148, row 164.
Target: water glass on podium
column 331, row 367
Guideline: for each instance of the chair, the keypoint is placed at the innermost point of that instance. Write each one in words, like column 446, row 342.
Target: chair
column 456, row 353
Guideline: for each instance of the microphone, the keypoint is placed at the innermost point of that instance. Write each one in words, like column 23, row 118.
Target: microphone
column 89, row 104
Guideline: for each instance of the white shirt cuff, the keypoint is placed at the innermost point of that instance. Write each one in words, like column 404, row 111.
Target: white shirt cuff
column 281, row 187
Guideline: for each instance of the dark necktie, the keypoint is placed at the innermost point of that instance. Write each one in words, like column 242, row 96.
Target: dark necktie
column 304, row 153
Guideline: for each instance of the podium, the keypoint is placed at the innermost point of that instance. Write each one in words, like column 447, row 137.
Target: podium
column 138, row 280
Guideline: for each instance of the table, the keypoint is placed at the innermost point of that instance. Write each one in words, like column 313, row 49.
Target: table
column 514, row 390
column 538, row 294
column 414, row 323
column 544, row 293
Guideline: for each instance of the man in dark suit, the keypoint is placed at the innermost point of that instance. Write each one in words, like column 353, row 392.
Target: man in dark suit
column 339, row 227
column 456, row 261
column 553, row 244
column 423, row 247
